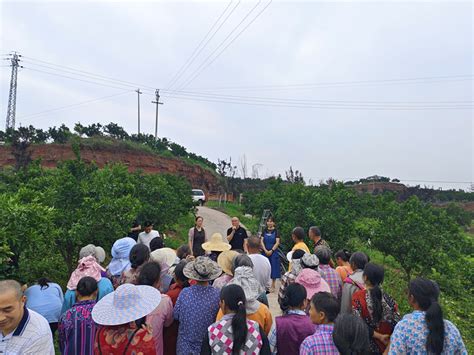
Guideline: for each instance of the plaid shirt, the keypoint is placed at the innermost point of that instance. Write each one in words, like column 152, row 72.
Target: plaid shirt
column 287, row 279
column 333, row 279
column 320, row 342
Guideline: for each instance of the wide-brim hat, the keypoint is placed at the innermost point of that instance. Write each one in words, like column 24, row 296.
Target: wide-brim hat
column 202, row 269
column 216, row 243
column 225, row 259
column 163, row 255
column 289, row 255
column 312, row 282
column 126, row 304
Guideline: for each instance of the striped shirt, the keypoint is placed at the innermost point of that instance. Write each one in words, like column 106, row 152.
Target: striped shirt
column 320, row 342
column 31, row 336
column 77, row 329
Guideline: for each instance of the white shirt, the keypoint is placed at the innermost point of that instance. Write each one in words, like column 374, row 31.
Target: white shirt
column 145, row 238
column 262, row 270
column 32, row 336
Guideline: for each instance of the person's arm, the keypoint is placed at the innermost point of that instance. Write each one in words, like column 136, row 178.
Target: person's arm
column 191, row 239
column 205, row 347
column 397, row 342
column 43, row 344
column 230, row 235
column 268, row 321
column 168, row 313
column 246, row 250
column 265, row 344
column 272, row 340
column 263, row 246
column 275, row 246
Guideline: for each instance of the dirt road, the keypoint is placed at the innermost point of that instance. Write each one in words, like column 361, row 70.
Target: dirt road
column 218, row 222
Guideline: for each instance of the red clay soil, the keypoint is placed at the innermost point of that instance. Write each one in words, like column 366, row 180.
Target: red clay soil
column 149, row 163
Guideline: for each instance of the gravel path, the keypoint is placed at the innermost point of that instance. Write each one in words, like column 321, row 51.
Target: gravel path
column 218, row 222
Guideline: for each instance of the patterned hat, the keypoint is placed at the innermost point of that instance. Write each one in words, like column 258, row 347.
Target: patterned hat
column 126, row 304
column 309, row 261
column 202, row 269
column 216, row 243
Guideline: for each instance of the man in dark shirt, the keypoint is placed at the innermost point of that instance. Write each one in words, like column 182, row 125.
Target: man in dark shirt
column 237, row 236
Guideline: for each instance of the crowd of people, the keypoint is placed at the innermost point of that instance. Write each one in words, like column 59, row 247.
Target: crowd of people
column 210, row 296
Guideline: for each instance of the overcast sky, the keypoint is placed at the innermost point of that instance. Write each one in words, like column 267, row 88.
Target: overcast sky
column 355, row 130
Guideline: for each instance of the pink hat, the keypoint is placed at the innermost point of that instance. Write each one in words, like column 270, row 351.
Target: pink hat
column 87, row 266
column 312, row 282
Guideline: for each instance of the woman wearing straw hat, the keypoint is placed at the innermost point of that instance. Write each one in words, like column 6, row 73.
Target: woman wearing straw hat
column 215, row 246
column 197, row 305
column 165, row 257
column 122, row 315
column 196, row 237
column 224, row 260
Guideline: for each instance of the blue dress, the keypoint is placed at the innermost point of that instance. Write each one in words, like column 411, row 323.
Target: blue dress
column 269, row 240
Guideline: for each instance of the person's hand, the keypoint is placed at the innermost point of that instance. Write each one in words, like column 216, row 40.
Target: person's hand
column 234, row 228
column 190, row 258
column 269, row 252
column 384, row 338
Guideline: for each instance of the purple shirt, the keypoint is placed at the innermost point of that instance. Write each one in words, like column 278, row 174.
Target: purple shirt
column 77, row 329
column 320, row 342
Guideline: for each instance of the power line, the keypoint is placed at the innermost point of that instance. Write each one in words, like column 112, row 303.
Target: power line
column 72, row 78
column 318, row 106
column 89, row 73
column 74, row 105
column 420, row 80
column 203, row 65
column 199, row 49
column 276, row 99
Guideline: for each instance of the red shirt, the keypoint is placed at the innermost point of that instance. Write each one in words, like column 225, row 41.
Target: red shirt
column 170, row 334
column 121, row 338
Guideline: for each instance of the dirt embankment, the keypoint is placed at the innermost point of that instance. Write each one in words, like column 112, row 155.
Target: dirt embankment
column 51, row 154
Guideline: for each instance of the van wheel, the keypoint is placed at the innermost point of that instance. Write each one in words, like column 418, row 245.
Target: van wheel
column 201, row 203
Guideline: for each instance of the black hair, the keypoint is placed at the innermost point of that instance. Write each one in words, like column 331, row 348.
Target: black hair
column 179, row 274
column 375, row 275
column 148, row 224
column 426, row 293
column 234, row 298
column 86, row 286
column 298, row 254
column 139, row 254
column 241, row 260
column 270, row 218
column 351, row 335
column 183, row 251
column 253, row 242
column 327, row 303
column 316, row 231
column 149, row 274
column 197, row 217
column 156, row 243
column 324, row 255
column 294, row 296
column 298, row 232
column 344, row 254
column 358, row 259
column 43, row 282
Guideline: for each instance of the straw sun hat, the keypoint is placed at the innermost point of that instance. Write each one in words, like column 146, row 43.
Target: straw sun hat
column 216, row 243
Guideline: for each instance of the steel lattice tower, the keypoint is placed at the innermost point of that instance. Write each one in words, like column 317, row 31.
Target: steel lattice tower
column 11, row 110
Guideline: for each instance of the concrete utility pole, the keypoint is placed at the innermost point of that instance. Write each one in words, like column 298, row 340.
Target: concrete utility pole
column 11, row 110
column 138, row 94
column 157, row 102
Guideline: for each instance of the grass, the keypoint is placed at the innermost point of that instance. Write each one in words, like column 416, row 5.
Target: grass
column 236, row 210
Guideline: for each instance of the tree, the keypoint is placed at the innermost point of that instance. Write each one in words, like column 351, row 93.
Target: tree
column 115, row 131
column 60, row 135
column 294, row 177
column 243, row 167
column 225, row 168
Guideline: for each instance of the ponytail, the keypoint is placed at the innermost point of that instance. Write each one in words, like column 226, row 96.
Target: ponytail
column 426, row 293
column 234, row 299
column 375, row 275
column 43, row 282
